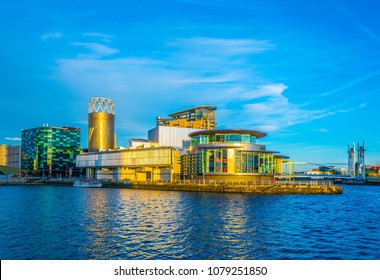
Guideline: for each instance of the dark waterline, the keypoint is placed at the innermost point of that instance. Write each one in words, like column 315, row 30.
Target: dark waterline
column 52, row 222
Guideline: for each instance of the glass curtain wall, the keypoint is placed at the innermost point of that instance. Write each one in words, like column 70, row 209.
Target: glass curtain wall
column 223, row 160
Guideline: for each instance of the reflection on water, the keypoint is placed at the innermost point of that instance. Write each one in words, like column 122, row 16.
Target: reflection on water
column 51, row 222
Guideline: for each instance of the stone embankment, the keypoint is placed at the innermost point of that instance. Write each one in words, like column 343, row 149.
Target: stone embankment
column 253, row 189
column 257, row 188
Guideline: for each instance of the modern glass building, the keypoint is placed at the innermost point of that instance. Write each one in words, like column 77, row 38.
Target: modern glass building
column 201, row 117
column 230, row 152
column 50, row 151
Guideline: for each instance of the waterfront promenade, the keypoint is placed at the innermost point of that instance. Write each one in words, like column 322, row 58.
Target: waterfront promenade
column 228, row 186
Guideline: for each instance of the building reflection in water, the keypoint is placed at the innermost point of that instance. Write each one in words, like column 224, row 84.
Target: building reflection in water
column 144, row 224
column 133, row 224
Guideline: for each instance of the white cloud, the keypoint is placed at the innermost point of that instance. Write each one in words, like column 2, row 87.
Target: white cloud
column 324, row 130
column 13, row 138
column 275, row 112
column 227, row 47
column 98, row 50
column 104, row 37
column 81, row 122
column 198, row 71
column 353, row 82
column 53, row 35
column 94, row 34
column 353, row 18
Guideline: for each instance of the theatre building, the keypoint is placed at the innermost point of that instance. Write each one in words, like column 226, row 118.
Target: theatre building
column 229, row 154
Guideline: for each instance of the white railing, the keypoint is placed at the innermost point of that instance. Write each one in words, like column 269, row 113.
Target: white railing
column 242, row 182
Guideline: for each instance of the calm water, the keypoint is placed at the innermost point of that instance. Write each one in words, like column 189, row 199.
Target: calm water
column 51, row 222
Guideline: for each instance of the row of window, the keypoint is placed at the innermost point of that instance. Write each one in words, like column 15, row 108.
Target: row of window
column 216, row 138
column 232, row 161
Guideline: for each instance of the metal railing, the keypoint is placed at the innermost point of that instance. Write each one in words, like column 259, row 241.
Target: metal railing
column 241, row 182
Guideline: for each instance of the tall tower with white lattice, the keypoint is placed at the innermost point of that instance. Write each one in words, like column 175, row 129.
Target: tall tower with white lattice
column 101, row 124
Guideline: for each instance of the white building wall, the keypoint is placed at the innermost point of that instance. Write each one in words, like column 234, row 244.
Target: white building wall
column 170, row 136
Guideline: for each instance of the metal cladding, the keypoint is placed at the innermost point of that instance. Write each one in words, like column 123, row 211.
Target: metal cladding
column 101, row 124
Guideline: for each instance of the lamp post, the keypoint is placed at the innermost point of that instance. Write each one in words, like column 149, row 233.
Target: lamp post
column 203, row 167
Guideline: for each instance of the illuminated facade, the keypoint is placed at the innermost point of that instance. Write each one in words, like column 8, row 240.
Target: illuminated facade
column 223, row 153
column 138, row 143
column 50, row 151
column 170, row 136
column 147, row 164
column 101, row 124
column 10, row 155
column 202, row 117
column 3, row 154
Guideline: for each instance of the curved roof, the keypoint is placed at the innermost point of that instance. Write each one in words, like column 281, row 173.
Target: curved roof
column 257, row 134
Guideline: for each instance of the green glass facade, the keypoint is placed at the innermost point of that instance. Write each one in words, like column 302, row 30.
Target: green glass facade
column 229, row 152
column 50, row 151
column 223, row 138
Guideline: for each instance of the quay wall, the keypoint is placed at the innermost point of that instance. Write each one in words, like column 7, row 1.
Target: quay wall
column 257, row 188
column 252, row 189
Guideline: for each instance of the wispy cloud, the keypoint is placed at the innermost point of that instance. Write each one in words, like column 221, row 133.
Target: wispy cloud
column 276, row 113
column 53, row 35
column 104, row 37
column 323, row 130
column 353, row 82
column 97, row 50
column 101, row 35
column 81, row 122
column 13, row 138
column 227, row 47
column 353, row 18
column 369, row 33
column 194, row 71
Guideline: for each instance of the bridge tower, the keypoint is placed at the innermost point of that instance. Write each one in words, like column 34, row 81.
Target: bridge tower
column 351, row 160
column 360, row 166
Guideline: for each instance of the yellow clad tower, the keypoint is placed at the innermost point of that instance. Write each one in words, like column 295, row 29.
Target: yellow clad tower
column 101, row 124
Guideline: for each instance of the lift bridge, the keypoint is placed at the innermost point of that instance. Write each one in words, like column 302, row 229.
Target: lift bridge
column 289, row 170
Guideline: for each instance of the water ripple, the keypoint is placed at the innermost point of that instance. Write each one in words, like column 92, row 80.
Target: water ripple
column 51, row 222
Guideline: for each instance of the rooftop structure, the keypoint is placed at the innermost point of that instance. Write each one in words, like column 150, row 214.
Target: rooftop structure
column 202, row 117
column 138, row 143
column 170, row 136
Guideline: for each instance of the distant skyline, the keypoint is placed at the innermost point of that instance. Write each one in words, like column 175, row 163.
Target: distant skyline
column 305, row 72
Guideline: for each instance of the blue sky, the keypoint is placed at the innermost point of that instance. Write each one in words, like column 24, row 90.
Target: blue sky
column 305, row 72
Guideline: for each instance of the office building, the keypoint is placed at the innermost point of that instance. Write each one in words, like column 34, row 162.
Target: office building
column 50, row 151
column 174, row 131
column 140, row 164
column 4, row 154
column 202, row 117
column 10, row 155
column 14, row 156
